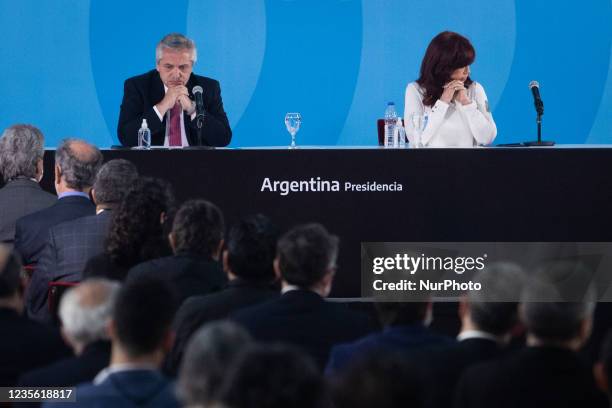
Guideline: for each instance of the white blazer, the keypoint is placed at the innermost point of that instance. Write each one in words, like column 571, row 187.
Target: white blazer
column 451, row 125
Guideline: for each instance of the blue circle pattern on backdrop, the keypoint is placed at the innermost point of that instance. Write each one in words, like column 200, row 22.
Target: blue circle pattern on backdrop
column 335, row 61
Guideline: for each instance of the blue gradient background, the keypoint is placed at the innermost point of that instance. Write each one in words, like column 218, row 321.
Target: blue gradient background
column 336, row 61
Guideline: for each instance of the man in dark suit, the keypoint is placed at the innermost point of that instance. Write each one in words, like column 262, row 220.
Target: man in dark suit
column 164, row 98
column 72, row 243
column 84, row 312
column 405, row 330
column 549, row 371
column 247, row 261
column 196, row 239
column 305, row 263
column 76, row 164
column 24, row 344
column 141, row 335
column 488, row 317
column 21, row 166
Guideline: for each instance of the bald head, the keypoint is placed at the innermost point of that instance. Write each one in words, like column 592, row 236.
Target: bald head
column 77, row 163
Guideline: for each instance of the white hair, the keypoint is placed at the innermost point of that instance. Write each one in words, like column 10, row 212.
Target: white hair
column 85, row 310
column 176, row 41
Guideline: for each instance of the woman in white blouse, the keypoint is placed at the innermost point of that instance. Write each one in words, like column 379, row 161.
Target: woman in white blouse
column 455, row 108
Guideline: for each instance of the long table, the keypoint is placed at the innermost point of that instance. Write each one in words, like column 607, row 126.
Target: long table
column 494, row 194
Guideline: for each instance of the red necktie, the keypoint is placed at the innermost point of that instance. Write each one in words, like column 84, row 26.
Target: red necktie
column 174, row 138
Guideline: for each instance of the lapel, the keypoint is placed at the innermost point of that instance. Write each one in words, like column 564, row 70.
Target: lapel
column 157, row 88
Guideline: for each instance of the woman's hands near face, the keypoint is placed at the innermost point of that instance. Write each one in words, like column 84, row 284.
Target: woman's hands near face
column 450, row 89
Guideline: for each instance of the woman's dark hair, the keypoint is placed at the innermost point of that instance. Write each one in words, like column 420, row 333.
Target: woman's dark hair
column 447, row 52
column 136, row 233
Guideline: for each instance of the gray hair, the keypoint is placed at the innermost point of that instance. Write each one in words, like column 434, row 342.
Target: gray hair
column 85, row 310
column 78, row 166
column 21, row 147
column 176, row 41
column 207, row 359
column 494, row 309
column 547, row 310
column 113, row 180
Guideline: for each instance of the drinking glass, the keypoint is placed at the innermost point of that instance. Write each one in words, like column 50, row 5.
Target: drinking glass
column 418, row 122
column 293, row 120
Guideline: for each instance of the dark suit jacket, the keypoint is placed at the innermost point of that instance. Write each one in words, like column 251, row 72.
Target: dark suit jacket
column 18, row 198
column 403, row 339
column 189, row 274
column 198, row 310
column 304, row 319
column 69, row 247
column 539, row 377
column 25, row 345
column 32, row 231
column 101, row 266
column 125, row 389
column 441, row 367
column 70, row 371
column 141, row 93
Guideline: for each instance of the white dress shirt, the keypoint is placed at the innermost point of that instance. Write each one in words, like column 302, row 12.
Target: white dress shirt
column 454, row 124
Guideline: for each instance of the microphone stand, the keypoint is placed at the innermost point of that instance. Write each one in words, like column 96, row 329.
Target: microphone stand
column 539, row 142
column 199, row 123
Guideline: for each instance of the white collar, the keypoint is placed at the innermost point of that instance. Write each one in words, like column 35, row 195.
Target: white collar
column 477, row 334
column 289, row 288
column 116, row 368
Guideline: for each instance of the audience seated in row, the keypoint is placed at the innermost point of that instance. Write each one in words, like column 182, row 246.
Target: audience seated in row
column 24, row 344
column 405, row 329
column 305, row 264
column 70, row 244
column 21, row 167
column 76, row 165
column 488, row 319
column 85, row 311
column 140, row 332
column 137, row 231
column 548, row 372
column 247, row 261
column 196, row 240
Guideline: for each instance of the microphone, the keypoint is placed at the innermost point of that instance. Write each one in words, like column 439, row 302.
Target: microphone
column 197, row 93
column 537, row 100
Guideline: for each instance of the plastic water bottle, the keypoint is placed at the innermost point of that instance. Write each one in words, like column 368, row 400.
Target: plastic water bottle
column 390, row 120
column 400, row 133
column 144, row 136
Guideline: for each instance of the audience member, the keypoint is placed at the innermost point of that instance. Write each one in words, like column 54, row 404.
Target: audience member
column 273, row 376
column 305, row 263
column 208, row 357
column 72, row 243
column 381, row 381
column 488, row 316
column 405, row 329
column 548, row 372
column 247, row 261
column 140, row 334
column 196, row 240
column 21, row 166
column 85, row 312
column 76, row 165
column 136, row 232
column 24, row 344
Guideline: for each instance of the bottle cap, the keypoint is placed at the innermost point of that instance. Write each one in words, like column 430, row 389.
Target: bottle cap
column 144, row 124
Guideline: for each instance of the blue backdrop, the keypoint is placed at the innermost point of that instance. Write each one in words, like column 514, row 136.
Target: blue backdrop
column 336, row 61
